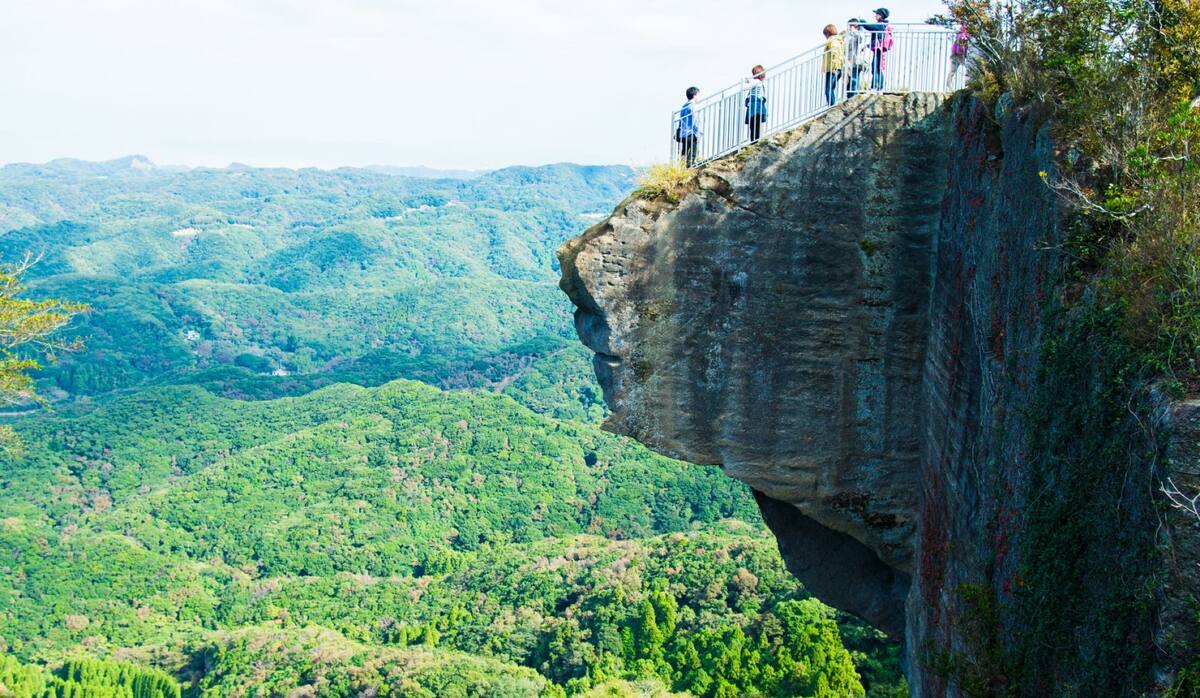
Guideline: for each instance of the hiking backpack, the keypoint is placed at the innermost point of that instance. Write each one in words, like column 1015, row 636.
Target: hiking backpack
column 961, row 42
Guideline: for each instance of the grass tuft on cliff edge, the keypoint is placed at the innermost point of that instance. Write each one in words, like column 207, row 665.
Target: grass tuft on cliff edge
column 664, row 181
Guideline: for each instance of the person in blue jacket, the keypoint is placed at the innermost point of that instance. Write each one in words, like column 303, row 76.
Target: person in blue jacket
column 881, row 43
column 688, row 133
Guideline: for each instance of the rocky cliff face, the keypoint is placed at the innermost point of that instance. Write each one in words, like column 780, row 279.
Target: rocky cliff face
column 848, row 318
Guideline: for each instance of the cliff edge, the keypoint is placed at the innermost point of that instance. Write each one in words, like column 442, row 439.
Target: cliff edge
column 849, row 318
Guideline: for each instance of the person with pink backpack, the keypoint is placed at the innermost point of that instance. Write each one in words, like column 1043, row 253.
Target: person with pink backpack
column 881, row 42
column 958, row 55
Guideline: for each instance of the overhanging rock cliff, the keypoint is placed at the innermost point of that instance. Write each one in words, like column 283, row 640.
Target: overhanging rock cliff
column 774, row 323
column 848, row 318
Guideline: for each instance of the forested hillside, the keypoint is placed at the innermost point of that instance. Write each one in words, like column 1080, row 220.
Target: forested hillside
column 242, row 485
column 324, row 276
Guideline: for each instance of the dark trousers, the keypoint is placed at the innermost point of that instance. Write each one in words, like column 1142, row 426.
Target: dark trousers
column 831, row 86
column 852, row 81
column 877, row 70
column 688, row 150
column 755, row 123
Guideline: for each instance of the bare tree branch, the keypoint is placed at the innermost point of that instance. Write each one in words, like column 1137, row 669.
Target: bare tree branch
column 1180, row 501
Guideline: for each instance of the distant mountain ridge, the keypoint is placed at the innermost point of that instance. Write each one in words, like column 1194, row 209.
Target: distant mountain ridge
column 141, row 164
column 422, row 172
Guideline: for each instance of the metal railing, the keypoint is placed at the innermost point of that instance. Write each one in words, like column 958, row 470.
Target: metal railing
column 921, row 59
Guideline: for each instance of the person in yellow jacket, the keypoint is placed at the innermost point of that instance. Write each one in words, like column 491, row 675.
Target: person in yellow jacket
column 832, row 62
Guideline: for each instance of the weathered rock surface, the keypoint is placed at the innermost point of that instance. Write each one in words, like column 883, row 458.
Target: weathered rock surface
column 848, row 317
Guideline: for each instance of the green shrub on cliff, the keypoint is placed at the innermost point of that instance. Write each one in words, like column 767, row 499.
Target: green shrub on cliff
column 1120, row 79
column 664, row 181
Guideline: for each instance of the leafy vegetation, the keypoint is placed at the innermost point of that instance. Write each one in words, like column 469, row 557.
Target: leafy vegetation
column 560, row 386
column 397, row 516
column 84, row 678
column 1121, row 79
column 26, row 327
column 664, row 181
column 276, row 662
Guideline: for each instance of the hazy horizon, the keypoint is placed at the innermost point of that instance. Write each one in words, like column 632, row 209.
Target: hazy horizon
column 454, row 85
column 416, row 167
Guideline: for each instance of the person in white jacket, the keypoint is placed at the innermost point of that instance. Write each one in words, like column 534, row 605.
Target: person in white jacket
column 858, row 55
column 756, row 101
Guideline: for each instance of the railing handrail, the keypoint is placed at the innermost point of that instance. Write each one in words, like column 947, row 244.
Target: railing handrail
column 906, row 28
column 935, row 41
column 819, row 49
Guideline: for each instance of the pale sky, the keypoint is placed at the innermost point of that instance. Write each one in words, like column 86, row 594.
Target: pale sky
column 326, row 83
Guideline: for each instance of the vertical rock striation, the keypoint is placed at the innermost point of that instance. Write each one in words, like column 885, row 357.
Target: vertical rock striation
column 848, row 318
column 992, row 269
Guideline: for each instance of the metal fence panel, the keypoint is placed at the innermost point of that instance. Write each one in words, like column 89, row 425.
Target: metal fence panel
column 921, row 60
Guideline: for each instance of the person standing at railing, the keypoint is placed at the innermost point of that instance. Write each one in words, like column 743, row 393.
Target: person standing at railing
column 958, row 55
column 756, row 101
column 688, row 133
column 832, row 62
column 858, row 55
column 881, row 43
